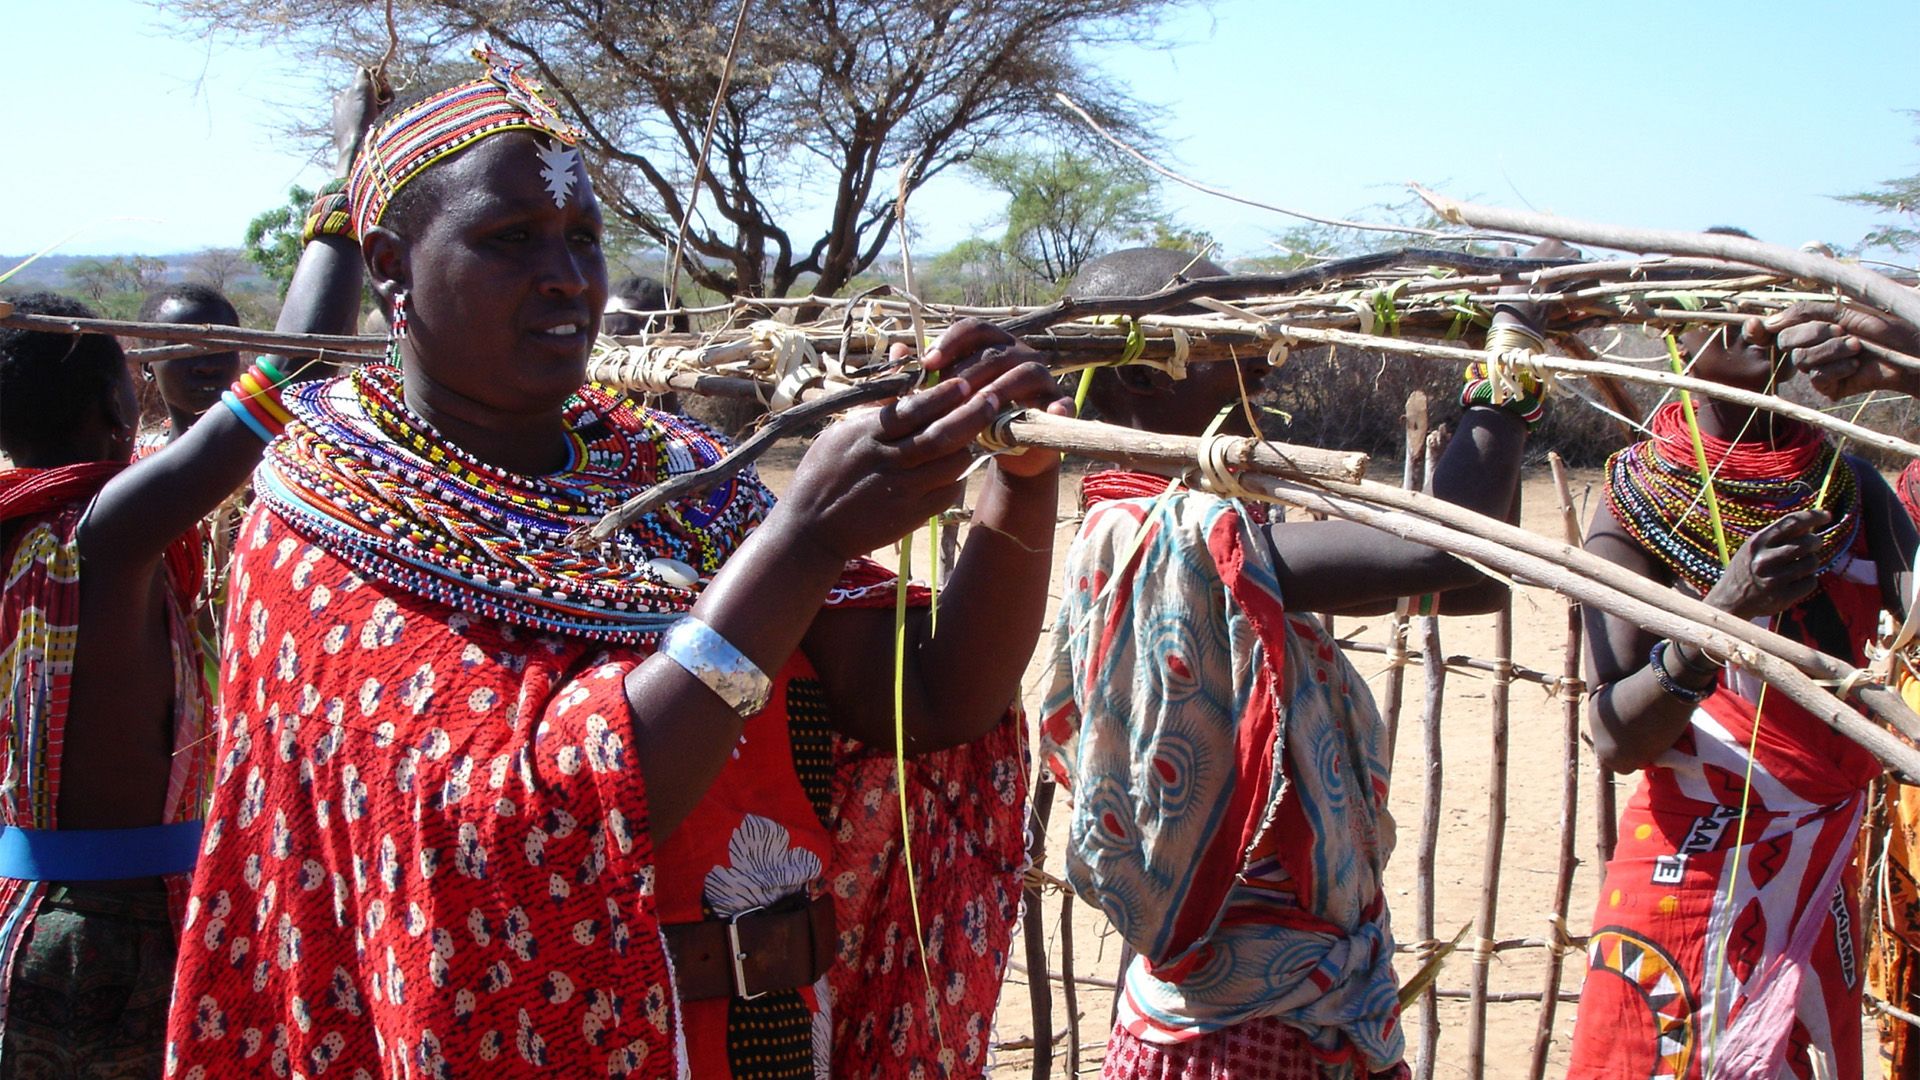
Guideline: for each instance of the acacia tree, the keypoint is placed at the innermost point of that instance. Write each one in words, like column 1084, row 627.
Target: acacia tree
column 1065, row 207
column 828, row 101
column 1900, row 197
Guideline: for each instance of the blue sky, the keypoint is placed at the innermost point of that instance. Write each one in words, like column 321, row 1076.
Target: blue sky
column 1659, row 114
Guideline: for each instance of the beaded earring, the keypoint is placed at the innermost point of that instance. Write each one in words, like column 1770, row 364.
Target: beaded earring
column 397, row 327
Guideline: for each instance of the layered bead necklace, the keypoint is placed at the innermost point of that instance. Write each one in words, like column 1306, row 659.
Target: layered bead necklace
column 369, row 481
column 1655, row 489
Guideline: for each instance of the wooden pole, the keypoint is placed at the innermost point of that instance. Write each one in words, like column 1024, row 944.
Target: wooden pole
column 1500, row 694
column 1572, row 693
column 1461, row 662
column 1068, row 995
column 1571, row 571
column 209, row 333
column 1426, row 350
column 1152, row 451
column 1430, row 712
column 1392, row 693
column 1034, row 930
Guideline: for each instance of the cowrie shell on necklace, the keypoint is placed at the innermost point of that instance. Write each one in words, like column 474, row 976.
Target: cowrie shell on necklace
column 672, row 572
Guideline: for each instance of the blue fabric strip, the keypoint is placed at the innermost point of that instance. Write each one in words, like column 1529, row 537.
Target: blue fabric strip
column 98, row 854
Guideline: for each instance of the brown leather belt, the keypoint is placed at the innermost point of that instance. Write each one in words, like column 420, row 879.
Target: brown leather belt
column 784, row 946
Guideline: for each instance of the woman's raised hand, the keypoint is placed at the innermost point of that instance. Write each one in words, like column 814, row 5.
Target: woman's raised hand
column 878, row 474
column 1004, row 371
column 354, row 111
column 1775, row 569
column 1824, row 340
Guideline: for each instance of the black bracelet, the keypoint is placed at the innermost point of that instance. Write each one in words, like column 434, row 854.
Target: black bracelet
column 1657, row 660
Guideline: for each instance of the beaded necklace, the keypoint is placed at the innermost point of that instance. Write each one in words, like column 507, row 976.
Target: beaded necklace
column 370, row 482
column 1655, row 490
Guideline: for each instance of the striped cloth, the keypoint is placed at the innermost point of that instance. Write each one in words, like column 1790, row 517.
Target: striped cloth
column 40, row 512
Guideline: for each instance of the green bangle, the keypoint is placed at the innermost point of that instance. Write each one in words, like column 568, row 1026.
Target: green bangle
column 268, row 369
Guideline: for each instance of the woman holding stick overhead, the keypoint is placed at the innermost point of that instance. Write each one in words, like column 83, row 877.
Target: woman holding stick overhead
column 1727, row 937
column 476, row 791
column 106, row 714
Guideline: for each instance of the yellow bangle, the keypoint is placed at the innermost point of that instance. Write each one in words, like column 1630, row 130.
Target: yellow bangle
column 268, row 400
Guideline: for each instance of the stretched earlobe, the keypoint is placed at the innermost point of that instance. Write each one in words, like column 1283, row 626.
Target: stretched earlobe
column 385, row 254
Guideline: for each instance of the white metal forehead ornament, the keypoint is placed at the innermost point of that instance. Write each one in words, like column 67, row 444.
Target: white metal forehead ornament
column 557, row 164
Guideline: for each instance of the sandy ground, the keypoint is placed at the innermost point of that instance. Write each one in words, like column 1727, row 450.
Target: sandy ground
column 1529, row 849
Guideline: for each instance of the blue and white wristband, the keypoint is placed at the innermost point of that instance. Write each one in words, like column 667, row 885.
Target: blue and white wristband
column 713, row 660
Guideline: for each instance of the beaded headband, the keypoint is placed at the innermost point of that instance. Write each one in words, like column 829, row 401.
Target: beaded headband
column 438, row 127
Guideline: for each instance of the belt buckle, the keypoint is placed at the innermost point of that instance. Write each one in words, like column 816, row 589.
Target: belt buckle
column 733, row 944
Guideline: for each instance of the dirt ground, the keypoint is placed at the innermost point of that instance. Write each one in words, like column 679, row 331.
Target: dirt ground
column 1526, row 866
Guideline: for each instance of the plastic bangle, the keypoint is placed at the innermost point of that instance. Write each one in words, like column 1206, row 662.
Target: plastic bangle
column 1657, row 660
column 713, row 660
column 263, row 398
column 268, row 419
column 268, row 368
column 232, row 402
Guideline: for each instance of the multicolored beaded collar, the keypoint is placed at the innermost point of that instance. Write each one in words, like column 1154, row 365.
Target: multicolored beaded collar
column 368, row 480
column 1655, row 490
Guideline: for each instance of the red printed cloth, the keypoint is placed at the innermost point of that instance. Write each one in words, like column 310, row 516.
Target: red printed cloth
column 428, row 854
column 801, row 810
column 427, row 851
column 1726, row 941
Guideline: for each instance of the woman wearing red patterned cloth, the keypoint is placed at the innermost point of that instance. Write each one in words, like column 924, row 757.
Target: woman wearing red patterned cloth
column 1726, row 939
column 451, row 746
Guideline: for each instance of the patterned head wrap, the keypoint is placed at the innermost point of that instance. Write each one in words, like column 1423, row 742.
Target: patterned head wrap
column 436, row 128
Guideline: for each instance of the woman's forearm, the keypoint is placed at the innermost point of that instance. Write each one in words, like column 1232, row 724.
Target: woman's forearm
column 142, row 510
column 991, row 611
column 762, row 602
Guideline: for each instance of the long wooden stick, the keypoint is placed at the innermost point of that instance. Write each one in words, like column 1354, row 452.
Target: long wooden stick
column 1432, row 788
column 1855, row 281
column 687, row 484
column 1151, row 450
column 1034, row 931
column 1241, row 286
column 1461, row 662
column 1138, row 449
column 230, row 336
column 1570, row 561
column 1283, row 331
column 1069, row 993
column 1669, row 614
column 1571, row 702
column 1496, row 839
column 1415, row 419
column 1431, row 710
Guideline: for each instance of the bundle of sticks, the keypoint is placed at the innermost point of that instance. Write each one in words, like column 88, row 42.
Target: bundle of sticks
column 809, row 357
